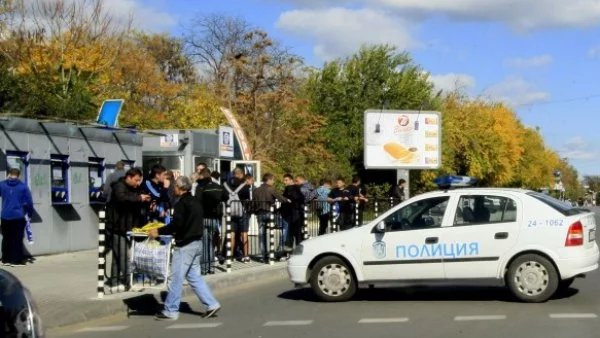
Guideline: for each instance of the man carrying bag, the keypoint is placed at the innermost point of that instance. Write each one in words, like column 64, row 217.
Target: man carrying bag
column 187, row 228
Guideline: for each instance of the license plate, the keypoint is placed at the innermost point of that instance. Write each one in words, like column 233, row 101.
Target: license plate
column 592, row 235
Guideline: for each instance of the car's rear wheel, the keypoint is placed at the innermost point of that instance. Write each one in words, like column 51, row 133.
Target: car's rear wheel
column 332, row 280
column 532, row 278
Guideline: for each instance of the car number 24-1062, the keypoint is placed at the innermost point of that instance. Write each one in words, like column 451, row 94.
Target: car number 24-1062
column 547, row 223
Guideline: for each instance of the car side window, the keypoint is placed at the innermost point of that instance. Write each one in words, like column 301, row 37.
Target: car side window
column 423, row 214
column 485, row 209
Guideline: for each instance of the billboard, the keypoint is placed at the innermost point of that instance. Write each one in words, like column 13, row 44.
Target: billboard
column 402, row 139
column 109, row 113
column 225, row 141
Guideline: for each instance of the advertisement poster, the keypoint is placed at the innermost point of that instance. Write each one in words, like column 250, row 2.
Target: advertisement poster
column 225, row 141
column 400, row 139
column 170, row 140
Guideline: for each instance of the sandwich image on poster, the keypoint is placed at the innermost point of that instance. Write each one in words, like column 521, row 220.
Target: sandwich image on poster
column 400, row 139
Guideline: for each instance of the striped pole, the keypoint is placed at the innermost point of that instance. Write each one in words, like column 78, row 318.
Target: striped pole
column 334, row 215
column 272, row 235
column 391, row 202
column 356, row 214
column 101, row 253
column 376, row 209
column 305, row 228
column 228, row 248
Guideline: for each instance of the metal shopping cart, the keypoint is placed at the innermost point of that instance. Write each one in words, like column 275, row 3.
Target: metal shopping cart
column 150, row 261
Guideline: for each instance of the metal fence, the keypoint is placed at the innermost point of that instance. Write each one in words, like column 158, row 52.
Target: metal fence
column 247, row 231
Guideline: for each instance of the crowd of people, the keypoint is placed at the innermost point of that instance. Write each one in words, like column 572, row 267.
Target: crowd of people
column 193, row 210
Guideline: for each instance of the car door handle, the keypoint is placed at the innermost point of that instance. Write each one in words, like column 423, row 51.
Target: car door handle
column 431, row 240
column 501, row 235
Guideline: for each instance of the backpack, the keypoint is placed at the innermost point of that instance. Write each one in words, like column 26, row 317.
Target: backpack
column 234, row 202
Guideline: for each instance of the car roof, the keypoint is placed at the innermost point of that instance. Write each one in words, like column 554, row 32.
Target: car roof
column 477, row 191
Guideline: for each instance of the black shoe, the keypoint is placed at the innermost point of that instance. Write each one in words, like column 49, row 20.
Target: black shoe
column 212, row 313
column 161, row 316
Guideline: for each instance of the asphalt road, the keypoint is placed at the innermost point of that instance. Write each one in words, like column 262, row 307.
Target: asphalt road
column 275, row 309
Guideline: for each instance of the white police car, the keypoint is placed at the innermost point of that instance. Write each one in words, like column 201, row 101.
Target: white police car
column 532, row 242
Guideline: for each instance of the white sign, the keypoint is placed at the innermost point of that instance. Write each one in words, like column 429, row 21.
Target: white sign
column 402, row 139
column 169, row 141
column 225, row 141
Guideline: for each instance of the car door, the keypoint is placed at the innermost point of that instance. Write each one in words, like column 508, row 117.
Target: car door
column 402, row 251
column 484, row 228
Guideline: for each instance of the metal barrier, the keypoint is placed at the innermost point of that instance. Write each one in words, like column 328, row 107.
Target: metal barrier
column 262, row 232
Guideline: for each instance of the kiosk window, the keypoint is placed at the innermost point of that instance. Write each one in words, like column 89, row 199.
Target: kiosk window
column 18, row 160
column 59, row 175
column 96, row 179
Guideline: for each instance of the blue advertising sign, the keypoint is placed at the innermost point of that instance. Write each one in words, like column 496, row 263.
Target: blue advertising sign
column 109, row 112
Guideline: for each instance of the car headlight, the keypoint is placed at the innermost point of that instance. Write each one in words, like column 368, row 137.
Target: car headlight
column 298, row 250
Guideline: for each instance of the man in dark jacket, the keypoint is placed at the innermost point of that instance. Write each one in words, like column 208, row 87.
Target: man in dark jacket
column 264, row 198
column 124, row 212
column 359, row 194
column 293, row 212
column 187, row 228
column 211, row 195
column 342, row 200
column 16, row 204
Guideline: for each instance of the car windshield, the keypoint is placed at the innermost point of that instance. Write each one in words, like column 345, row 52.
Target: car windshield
column 558, row 205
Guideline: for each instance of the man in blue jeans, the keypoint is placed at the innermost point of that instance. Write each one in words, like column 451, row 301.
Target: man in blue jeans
column 187, row 228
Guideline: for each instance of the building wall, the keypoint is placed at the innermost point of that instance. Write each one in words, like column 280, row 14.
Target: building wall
column 72, row 227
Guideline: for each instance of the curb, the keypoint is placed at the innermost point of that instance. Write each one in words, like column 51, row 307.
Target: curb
column 92, row 309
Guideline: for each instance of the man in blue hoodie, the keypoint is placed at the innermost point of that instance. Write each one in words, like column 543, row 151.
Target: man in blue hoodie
column 16, row 203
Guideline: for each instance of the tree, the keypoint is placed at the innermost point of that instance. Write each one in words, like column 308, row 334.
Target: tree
column 216, row 41
column 593, row 182
column 169, row 54
column 282, row 132
column 375, row 77
column 57, row 49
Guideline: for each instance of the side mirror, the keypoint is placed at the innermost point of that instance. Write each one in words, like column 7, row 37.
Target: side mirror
column 380, row 227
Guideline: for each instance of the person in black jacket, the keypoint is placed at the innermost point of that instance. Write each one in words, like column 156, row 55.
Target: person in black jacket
column 211, row 195
column 293, row 212
column 124, row 212
column 187, row 228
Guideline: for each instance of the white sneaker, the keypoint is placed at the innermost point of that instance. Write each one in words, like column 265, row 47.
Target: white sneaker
column 118, row 288
column 136, row 288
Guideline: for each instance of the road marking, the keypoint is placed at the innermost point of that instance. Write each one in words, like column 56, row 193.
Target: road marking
column 288, row 323
column 488, row 317
column 573, row 315
column 382, row 320
column 194, row 326
column 104, row 329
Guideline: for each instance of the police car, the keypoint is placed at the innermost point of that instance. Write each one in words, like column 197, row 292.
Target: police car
column 533, row 243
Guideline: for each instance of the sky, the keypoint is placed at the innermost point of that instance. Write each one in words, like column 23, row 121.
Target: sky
column 539, row 56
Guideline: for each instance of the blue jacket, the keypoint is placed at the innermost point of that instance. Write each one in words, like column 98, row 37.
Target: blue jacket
column 16, row 199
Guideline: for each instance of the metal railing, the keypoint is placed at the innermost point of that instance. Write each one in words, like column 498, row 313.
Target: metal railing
column 251, row 231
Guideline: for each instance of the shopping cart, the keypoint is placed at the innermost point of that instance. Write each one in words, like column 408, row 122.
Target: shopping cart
column 149, row 261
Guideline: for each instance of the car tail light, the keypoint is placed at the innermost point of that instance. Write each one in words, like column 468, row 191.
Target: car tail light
column 575, row 235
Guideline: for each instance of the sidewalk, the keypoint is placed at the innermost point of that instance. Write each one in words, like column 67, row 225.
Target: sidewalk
column 64, row 286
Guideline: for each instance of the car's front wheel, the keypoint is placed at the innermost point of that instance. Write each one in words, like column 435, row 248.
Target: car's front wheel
column 532, row 278
column 332, row 280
